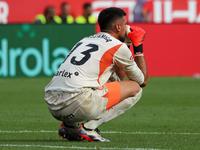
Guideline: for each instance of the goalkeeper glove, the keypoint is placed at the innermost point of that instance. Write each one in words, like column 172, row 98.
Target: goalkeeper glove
column 136, row 35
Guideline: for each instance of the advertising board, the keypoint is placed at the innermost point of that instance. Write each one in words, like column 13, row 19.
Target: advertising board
column 37, row 50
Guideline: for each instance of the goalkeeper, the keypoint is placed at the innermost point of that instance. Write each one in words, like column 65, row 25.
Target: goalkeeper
column 88, row 86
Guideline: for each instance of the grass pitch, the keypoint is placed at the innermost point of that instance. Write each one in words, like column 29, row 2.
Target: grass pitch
column 166, row 117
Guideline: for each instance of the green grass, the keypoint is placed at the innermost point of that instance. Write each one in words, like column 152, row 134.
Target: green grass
column 166, row 117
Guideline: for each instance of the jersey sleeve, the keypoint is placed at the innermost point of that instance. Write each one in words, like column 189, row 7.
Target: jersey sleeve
column 123, row 59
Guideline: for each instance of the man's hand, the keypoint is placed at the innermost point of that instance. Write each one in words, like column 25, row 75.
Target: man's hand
column 136, row 35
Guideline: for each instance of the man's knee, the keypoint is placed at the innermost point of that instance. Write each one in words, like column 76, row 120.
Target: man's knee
column 131, row 101
column 135, row 89
column 129, row 89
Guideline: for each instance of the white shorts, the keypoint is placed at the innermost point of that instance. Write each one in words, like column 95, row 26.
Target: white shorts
column 89, row 104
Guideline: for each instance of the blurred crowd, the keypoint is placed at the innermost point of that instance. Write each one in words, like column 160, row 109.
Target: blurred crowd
column 50, row 16
column 142, row 13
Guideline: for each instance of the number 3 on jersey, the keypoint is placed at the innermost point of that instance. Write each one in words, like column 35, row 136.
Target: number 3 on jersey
column 86, row 53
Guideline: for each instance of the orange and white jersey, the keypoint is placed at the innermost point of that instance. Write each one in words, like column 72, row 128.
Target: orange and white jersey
column 91, row 62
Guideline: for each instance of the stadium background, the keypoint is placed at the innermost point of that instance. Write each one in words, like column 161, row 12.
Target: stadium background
column 167, row 117
column 171, row 45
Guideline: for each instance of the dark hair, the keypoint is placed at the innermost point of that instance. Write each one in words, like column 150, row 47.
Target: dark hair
column 86, row 5
column 48, row 10
column 63, row 4
column 108, row 16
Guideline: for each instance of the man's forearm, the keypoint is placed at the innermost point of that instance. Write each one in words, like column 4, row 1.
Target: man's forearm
column 141, row 63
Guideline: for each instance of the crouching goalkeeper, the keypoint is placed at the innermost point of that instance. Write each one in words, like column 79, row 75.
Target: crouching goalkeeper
column 88, row 86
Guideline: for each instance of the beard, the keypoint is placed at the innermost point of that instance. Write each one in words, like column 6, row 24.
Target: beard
column 122, row 38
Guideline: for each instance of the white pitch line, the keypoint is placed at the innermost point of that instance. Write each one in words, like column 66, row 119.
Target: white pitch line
column 106, row 132
column 26, row 131
column 75, row 147
column 118, row 132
